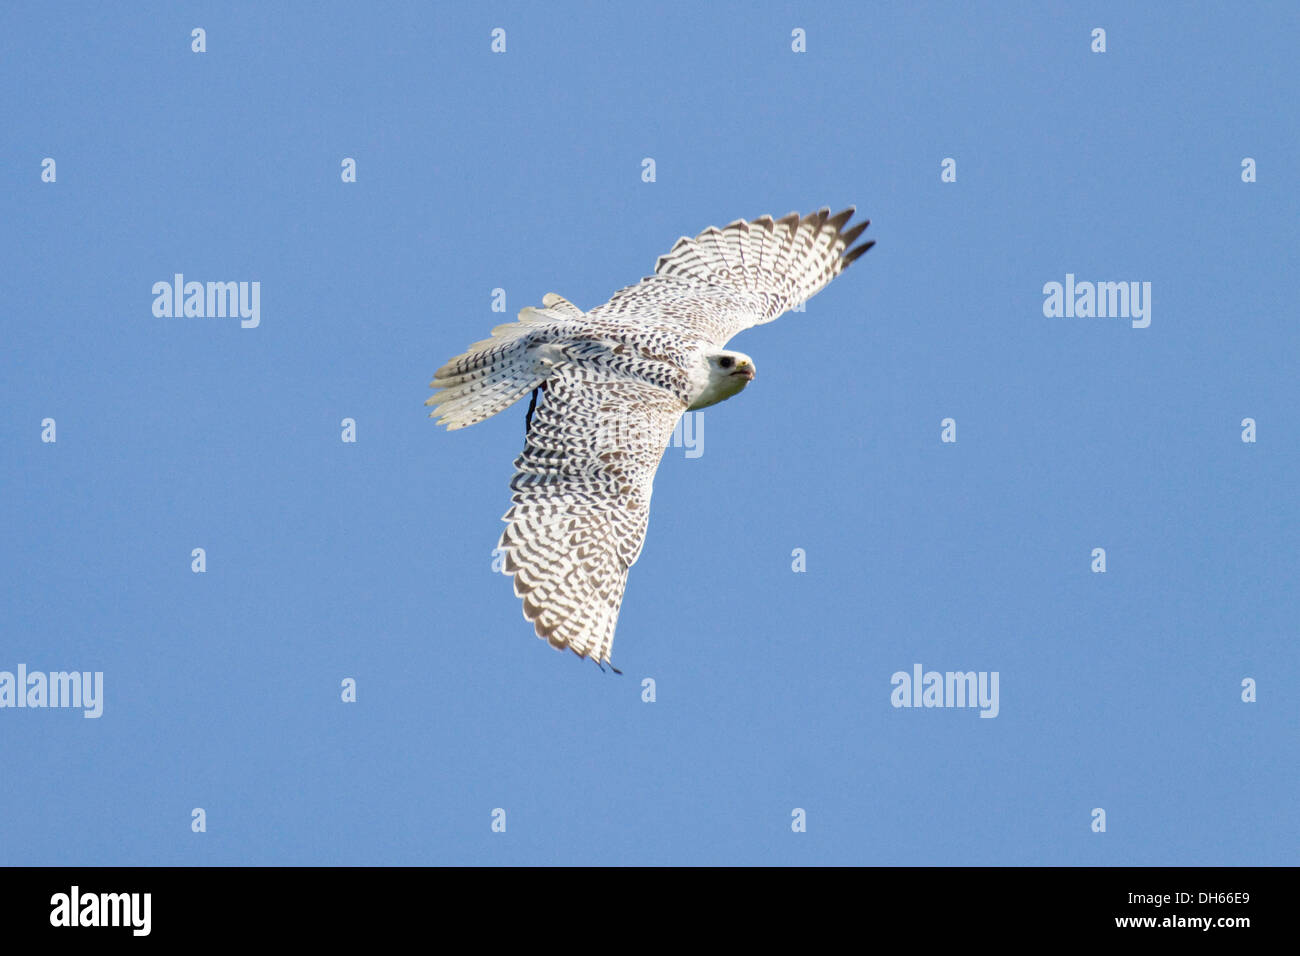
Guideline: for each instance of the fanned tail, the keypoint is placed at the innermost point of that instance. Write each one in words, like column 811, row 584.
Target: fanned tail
column 494, row 373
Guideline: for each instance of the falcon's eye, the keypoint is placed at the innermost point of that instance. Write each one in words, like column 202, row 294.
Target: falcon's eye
column 726, row 361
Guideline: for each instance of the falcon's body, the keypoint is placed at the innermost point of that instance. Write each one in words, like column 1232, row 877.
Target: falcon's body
column 610, row 385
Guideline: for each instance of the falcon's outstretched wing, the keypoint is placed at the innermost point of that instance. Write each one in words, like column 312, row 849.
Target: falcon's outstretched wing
column 581, row 494
column 726, row 280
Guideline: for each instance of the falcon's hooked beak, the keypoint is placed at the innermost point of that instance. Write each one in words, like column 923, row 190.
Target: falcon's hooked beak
column 745, row 371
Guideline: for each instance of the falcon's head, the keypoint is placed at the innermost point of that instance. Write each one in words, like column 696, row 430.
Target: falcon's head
column 721, row 375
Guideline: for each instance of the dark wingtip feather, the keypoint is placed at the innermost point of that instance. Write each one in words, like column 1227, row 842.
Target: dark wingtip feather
column 838, row 220
column 853, row 254
column 853, row 233
column 791, row 222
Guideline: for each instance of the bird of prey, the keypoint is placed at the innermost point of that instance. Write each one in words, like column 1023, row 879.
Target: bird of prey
column 612, row 384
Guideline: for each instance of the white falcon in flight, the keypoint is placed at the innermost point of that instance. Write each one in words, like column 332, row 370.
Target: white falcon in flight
column 612, row 384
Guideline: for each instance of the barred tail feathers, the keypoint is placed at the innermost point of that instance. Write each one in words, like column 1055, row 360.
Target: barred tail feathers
column 492, row 374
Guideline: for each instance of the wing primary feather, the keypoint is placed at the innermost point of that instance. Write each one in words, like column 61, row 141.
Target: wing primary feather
column 854, row 254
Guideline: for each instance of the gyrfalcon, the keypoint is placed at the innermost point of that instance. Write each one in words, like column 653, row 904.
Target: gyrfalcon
column 608, row 387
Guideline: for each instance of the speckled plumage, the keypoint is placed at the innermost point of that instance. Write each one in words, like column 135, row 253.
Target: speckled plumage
column 613, row 383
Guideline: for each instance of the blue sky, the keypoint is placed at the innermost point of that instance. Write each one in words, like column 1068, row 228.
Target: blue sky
column 522, row 171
